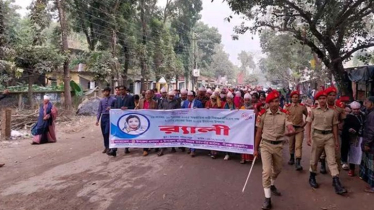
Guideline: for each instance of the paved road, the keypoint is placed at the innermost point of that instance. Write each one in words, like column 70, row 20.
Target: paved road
column 73, row 174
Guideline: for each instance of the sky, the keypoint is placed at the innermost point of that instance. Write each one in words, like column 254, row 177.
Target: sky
column 213, row 14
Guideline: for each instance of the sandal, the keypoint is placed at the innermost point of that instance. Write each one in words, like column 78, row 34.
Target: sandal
column 242, row 161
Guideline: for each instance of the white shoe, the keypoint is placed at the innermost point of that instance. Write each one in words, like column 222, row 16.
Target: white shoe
column 227, row 157
column 345, row 166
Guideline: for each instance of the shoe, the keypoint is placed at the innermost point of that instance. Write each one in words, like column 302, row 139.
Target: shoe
column 105, row 150
column 345, row 167
column 323, row 167
column 161, row 153
column 312, row 180
column 112, row 153
column 127, row 151
column 298, row 166
column 242, row 161
column 183, row 149
column 292, row 160
column 193, row 154
column 145, row 153
column 267, row 204
column 351, row 173
column 213, row 156
column 339, row 189
column 173, row 150
column 189, row 151
column 275, row 191
column 227, row 157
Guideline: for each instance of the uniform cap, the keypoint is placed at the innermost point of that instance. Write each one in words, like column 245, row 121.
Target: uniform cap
column 320, row 93
column 330, row 90
column 344, row 99
column 294, row 93
column 247, row 96
column 271, row 96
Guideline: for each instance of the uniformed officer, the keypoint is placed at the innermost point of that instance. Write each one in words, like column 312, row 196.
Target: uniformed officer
column 271, row 124
column 296, row 111
column 323, row 123
column 339, row 111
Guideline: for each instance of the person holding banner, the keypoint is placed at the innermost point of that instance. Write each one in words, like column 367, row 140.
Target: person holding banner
column 271, row 126
column 183, row 97
column 323, row 131
column 103, row 116
column 214, row 103
column 166, row 104
column 297, row 111
column 192, row 103
column 229, row 105
column 247, row 105
column 202, row 96
column 147, row 103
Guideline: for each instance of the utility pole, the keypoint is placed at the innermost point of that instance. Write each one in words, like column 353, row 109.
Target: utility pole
column 65, row 48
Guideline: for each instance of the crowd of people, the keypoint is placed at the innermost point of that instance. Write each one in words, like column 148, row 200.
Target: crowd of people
column 334, row 127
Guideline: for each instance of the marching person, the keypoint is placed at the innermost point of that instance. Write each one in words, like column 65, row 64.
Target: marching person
column 339, row 111
column 229, row 105
column 323, row 136
column 247, row 105
column 147, row 103
column 296, row 111
column 167, row 104
column 202, row 96
column 103, row 116
column 183, row 96
column 163, row 96
column 214, row 103
column 124, row 102
column 5, row 93
column 192, row 103
column 271, row 126
column 367, row 163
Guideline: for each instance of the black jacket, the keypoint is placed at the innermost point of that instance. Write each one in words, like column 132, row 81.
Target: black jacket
column 368, row 139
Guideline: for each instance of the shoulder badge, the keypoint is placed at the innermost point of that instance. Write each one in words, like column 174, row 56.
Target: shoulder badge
column 285, row 111
column 302, row 104
column 262, row 112
column 288, row 105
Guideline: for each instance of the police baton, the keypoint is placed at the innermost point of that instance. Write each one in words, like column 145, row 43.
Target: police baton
column 249, row 174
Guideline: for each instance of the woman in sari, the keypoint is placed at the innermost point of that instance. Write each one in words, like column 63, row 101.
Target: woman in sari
column 247, row 105
column 44, row 130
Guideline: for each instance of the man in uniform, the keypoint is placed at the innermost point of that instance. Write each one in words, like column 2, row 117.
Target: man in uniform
column 271, row 127
column 323, row 123
column 296, row 111
column 340, row 113
column 103, row 116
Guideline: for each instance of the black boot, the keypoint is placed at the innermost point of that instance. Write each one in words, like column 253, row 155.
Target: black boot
column 275, row 191
column 298, row 166
column 112, row 152
column 312, row 180
column 323, row 166
column 292, row 160
column 339, row 189
column 127, row 151
column 173, row 150
column 267, row 204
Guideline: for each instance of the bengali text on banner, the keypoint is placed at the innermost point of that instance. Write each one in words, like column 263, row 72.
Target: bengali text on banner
column 209, row 129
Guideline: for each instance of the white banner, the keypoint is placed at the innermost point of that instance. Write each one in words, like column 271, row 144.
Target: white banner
column 210, row 129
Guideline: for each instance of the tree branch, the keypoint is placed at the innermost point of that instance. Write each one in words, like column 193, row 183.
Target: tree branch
column 350, row 11
column 319, row 12
column 350, row 53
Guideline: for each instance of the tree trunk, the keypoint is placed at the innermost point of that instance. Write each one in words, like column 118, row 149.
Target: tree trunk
column 65, row 48
column 342, row 81
column 143, row 60
column 30, row 90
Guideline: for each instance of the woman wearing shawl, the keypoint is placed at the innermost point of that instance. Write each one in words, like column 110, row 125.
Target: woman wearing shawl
column 247, row 105
column 44, row 130
column 238, row 100
column 214, row 103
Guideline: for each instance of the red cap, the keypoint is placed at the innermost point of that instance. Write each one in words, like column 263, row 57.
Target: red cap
column 330, row 90
column 339, row 103
column 294, row 93
column 320, row 93
column 344, row 99
column 271, row 96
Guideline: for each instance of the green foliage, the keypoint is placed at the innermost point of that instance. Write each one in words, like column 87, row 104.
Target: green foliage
column 247, row 62
column 221, row 65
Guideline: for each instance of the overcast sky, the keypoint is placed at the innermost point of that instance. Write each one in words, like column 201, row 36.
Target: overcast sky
column 213, row 14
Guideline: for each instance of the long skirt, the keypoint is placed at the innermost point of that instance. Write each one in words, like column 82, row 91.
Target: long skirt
column 367, row 168
column 49, row 136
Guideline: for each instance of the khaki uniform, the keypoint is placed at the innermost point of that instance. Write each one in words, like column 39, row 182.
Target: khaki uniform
column 323, row 138
column 273, row 129
column 296, row 112
column 340, row 114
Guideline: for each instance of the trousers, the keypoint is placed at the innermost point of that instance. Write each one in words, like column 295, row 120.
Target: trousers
column 105, row 123
column 325, row 143
column 271, row 156
column 296, row 143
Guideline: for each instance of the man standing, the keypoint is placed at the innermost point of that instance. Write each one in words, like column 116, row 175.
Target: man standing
column 271, row 124
column 202, row 96
column 163, row 96
column 169, row 103
column 192, row 103
column 296, row 112
column 103, row 114
column 323, row 123
column 124, row 102
column 367, row 164
column 340, row 113
column 5, row 93
column 147, row 103
column 183, row 96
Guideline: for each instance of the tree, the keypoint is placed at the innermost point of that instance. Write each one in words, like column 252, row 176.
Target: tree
column 247, row 63
column 334, row 30
column 221, row 64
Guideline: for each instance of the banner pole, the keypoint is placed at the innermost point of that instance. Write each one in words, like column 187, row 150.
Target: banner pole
column 249, row 174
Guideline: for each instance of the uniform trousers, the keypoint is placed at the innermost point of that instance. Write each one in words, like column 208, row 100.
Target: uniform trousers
column 105, row 129
column 271, row 156
column 296, row 143
column 337, row 155
column 320, row 143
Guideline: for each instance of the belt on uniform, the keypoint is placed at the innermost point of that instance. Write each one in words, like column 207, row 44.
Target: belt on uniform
column 297, row 126
column 272, row 142
column 323, row 132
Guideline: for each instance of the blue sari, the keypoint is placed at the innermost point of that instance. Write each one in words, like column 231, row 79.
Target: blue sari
column 42, row 126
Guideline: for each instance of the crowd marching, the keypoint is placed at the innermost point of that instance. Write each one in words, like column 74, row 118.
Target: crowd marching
column 332, row 127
